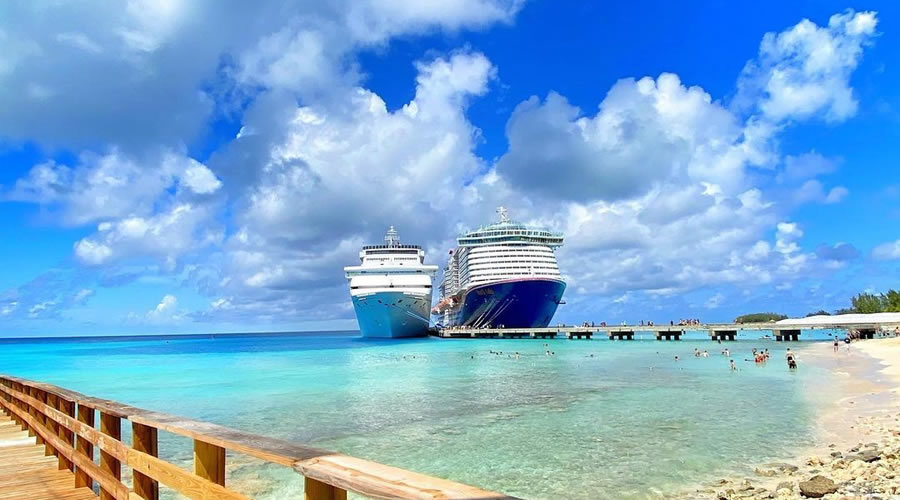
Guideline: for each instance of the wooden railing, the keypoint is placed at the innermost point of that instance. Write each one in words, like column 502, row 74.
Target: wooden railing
column 65, row 422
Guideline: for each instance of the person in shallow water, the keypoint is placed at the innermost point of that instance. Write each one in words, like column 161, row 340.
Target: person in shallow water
column 733, row 366
column 836, row 345
column 791, row 359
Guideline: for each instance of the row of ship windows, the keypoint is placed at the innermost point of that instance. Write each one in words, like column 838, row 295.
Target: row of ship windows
column 511, row 261
column 527, row 250
column 482, row 272
column 391, row 285
column 538, row 270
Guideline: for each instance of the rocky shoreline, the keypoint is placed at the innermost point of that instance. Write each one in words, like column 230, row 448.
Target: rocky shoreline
column 869, row 469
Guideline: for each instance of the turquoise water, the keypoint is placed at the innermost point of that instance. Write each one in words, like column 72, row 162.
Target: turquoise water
column 598, row 419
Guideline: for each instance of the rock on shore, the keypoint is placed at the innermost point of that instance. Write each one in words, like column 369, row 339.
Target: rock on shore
column 865, row 471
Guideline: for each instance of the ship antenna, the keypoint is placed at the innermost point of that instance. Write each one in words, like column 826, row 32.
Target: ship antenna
column 504, row 218
column 391, row 237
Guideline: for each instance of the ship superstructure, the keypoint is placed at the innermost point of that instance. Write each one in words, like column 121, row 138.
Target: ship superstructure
column 391, row 289
column 503, row 275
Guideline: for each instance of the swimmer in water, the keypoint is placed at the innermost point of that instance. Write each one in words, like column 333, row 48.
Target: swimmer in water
column 733, row 366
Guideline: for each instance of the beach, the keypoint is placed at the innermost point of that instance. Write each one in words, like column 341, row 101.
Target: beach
column 856, row 453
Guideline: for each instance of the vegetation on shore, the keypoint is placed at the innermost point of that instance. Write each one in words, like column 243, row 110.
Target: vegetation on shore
column 867, row 303
column 759, row 318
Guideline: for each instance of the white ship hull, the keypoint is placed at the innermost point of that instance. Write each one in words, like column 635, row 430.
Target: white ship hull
column 392, row 314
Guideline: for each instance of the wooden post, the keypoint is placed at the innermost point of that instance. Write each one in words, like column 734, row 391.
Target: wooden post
column 209, row 462
column 33, row 412
column 84, row 447
column 317, row 490
column 144, row 439
column 110, row 425
column 67, row 407
column 49, row 423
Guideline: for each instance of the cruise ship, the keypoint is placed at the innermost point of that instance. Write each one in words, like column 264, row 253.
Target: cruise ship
column 391, row 289
column 503, row 275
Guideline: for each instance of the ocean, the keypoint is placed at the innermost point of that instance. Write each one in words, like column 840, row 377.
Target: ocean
column 597, row 419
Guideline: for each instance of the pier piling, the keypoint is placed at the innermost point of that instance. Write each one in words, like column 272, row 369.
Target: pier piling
column 786, row 335
column 722, row 334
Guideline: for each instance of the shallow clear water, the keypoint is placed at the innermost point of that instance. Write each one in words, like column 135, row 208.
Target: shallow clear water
column 598, row 419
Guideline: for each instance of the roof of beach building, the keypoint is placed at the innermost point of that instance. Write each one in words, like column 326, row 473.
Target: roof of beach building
column 850, row 319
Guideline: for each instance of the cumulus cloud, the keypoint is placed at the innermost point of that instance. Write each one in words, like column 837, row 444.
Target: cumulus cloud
column 141, row 73
column 112, row 185
column 646, row 132
column 887, row 251
column 806, row 70
column 813, row 191
column 661, row 189
column 166, row 236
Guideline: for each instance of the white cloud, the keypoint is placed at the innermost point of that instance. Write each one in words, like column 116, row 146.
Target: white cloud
column 8, row 307
column 714, row 302
column 142, row 73
column 39, row 309
column 805, row 70
column 164, row 312
column 836, row 194
column 813, row 191
column 111, row 185
column 887, row 251
column 165, row 236
column 82, row 295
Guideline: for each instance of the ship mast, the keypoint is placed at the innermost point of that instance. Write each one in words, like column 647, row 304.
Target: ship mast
column 391, row 238
column 504, row 217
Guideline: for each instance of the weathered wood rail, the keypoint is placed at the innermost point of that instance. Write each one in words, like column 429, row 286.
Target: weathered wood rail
column 65, row 423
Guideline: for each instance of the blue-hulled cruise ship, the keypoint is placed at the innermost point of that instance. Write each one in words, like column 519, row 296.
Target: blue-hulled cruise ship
column 503, row 275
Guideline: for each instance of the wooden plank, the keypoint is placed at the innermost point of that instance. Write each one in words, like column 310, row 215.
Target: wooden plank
column 144, row 441
column 178, row 479
column 83, row 430
column 376, row 480
column 111, row 426
column 271, row 450
column 105, row 479
column 209, row 462
column 317, row 490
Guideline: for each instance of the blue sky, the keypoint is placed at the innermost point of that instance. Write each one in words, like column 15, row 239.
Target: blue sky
column 190, row 167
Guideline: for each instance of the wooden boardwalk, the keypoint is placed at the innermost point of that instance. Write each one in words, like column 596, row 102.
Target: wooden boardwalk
column 57, row 443
column 27, row 472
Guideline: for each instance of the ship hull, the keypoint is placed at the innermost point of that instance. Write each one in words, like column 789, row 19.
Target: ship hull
column 392, row 314
column 516, row 303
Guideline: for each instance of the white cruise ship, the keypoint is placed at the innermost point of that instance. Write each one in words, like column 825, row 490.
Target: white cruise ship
column 503, row 275
column 391, row 289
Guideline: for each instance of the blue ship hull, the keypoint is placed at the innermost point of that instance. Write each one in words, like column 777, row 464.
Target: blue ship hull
column 392, row 315
column 520, row 303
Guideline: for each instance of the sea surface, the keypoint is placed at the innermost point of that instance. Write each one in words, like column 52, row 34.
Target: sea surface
column 596, row 419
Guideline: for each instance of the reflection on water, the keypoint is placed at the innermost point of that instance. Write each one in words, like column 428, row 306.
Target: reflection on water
column 598, row 419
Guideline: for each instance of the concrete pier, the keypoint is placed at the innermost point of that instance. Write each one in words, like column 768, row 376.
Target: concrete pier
column 669, row 334
column 620, row 334
column 723, row 334
column 716, row 331
column 787, row 335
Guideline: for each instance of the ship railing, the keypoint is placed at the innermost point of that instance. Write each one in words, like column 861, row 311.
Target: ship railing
column 65, row 422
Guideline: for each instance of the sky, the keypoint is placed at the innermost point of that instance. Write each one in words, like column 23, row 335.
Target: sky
column 210, row 166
